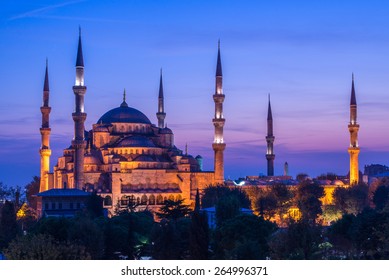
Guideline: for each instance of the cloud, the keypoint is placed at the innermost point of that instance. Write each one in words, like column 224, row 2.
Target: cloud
column 40, row 11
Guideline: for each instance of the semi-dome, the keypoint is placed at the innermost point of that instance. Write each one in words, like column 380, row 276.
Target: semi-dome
column 123, row 114
column 136, row 141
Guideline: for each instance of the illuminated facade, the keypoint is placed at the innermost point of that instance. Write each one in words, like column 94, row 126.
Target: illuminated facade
column 45, row 130
column 125, row 158
column 218, row 122
column 270, row 156
column 353, row 127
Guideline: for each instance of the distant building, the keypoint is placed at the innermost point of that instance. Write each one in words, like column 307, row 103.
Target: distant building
column 61, row 202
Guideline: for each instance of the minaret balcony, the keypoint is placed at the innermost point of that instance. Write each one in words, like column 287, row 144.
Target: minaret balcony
column 218, row 98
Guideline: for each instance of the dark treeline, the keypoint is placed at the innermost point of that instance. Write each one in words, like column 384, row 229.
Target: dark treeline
column 177, row 231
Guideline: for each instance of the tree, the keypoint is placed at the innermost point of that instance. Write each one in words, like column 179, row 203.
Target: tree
column 32, row 189
column 274, row 202
column 26, row 217
column 44, row 247
column 300, row 241
column 226, row 208
column 198, row 233
column 381, row 197
column 94, row 205
column 352, row 200
column 212, row 194
column 243, row 237
column 173, row 210
column 8, row 225
column 170, row 239
column 308, row 200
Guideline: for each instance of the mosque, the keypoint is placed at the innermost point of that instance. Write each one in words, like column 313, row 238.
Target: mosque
column 125, row 157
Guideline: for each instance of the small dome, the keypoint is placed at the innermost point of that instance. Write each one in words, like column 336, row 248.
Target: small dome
column 101, row 128
column 198, row 157
column 165, row 131
column 124, row 114
column 338, row 183
column 144, row 158
column 136, row 141
column 89, row 159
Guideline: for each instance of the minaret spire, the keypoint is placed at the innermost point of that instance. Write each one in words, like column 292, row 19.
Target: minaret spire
column 124, row 103
column 45, row 131
column 218, row 122
column 270, row 156
column 161, row 106
column 79, row 117
column 353, row 128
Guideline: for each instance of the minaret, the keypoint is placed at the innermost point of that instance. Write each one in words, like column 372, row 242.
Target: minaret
column 161, row 108
column 218, row 121
column 353, row 127
column 79, row 117
column 270, row 140
column 45, row 130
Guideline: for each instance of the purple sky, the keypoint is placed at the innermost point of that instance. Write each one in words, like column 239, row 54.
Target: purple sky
column 301, row 52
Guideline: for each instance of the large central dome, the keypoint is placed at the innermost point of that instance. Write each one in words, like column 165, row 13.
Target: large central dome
column 124, row 114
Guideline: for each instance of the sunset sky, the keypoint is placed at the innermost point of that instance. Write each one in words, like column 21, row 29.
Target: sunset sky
column 301, row 52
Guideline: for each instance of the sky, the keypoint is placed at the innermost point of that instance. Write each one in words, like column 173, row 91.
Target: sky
column 302, row 53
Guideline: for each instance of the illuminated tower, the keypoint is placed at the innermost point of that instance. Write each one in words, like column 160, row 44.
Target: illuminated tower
column 79, row 117
column 353, row 127
column 45, row 130
column 270, row 140
column 161, row 108
column 218, row 121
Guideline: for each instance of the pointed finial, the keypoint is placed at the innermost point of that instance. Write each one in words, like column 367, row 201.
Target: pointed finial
column 80, row 58
column 124, row 103
column 46, row 84
column 160, row 95
column 353, row 100
column 269, row 113
column 219, row 63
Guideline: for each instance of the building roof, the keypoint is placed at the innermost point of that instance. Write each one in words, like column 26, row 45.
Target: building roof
column 63, row 192
column 124, row 114
column 136, row 141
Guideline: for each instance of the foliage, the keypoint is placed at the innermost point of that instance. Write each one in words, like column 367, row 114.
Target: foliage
column 44, row 247
column 32, row 189
column 8, row 225
column 299, row 241
column 212, row 194
column 226, row 208
column 26, row 217
column 301, row 177
column 352, row 200
column 308, row 200
column 274, row 201
column 94, row 205
column 327, row 176
column 198, row 236
column 243, row 237
column 173, row 210
column 364, row 236
column 171, row 239
column 381, row 197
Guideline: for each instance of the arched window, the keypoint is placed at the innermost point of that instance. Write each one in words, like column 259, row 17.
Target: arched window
column 138, row 200
column 152, row 199
column 107, row 201
column 143, row 200
column 159, row 199
column 178, row 197
column 124, row 200
column 171, row 197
